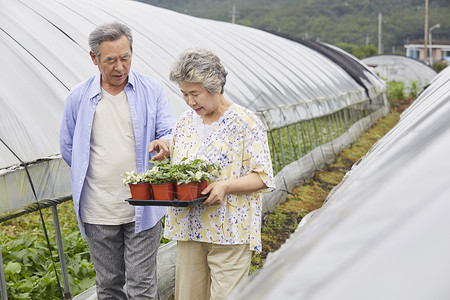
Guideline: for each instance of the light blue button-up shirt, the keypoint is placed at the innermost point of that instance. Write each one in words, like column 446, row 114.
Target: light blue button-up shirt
column 152, row 118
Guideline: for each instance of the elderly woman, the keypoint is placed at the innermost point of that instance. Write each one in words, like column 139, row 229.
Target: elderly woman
column 216, row 239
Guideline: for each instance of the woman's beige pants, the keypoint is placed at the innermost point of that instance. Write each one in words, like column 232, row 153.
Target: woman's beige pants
column 207, row 271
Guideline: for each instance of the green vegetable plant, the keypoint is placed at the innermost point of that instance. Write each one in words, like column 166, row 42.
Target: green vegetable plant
column 414, row 88
column 27, row 263
column 161, row 172
column 186, row 171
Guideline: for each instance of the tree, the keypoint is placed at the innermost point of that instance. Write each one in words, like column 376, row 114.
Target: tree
column 358, row 51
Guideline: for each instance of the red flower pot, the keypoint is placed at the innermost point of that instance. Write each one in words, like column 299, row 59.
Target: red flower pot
column 187, row 191
column 140, row 191
column 163, row 191
column 201, row 186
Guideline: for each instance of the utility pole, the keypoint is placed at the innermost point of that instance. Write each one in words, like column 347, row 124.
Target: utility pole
column 233, row 14
column 425, row 40
column 430, row 41
column 380, row 21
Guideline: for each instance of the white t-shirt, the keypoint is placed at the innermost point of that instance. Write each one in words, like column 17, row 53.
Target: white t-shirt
column 113, row 152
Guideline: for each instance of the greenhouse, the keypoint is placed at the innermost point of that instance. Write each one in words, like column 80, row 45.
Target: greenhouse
column 379, row 235
column 313, row 99
column 412, row 73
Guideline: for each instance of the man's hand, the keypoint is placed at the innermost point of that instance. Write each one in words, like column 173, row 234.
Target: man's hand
column 160, row 146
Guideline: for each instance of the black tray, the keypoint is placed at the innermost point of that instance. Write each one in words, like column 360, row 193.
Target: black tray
column 174, row 202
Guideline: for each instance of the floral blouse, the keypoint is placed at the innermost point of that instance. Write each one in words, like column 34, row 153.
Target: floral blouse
column 238, row 143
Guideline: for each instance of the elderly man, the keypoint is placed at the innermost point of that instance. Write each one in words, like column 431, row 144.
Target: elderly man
column 111, row 124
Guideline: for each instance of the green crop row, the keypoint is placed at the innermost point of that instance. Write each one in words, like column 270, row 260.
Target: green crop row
column 290, row 143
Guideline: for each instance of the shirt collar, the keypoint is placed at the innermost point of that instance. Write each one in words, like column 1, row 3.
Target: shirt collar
column 131, row 80
column 95, row 91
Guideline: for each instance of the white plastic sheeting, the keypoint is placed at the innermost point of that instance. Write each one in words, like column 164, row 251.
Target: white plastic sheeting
column 45, row 52
column 382, row 233
column 403, row 69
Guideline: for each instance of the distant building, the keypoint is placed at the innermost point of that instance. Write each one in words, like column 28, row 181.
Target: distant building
column 439, row 50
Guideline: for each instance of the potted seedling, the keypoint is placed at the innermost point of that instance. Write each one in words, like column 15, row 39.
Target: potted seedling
column 212, row 171
column 186, row 180
column 192, row 178
column 138, row 184
column 162, row 179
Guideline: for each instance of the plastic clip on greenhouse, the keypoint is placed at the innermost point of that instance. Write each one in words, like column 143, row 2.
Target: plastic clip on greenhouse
column 313, row 99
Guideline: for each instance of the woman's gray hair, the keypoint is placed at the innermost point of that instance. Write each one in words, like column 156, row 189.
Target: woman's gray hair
column 199, row 66
column 108, row 32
